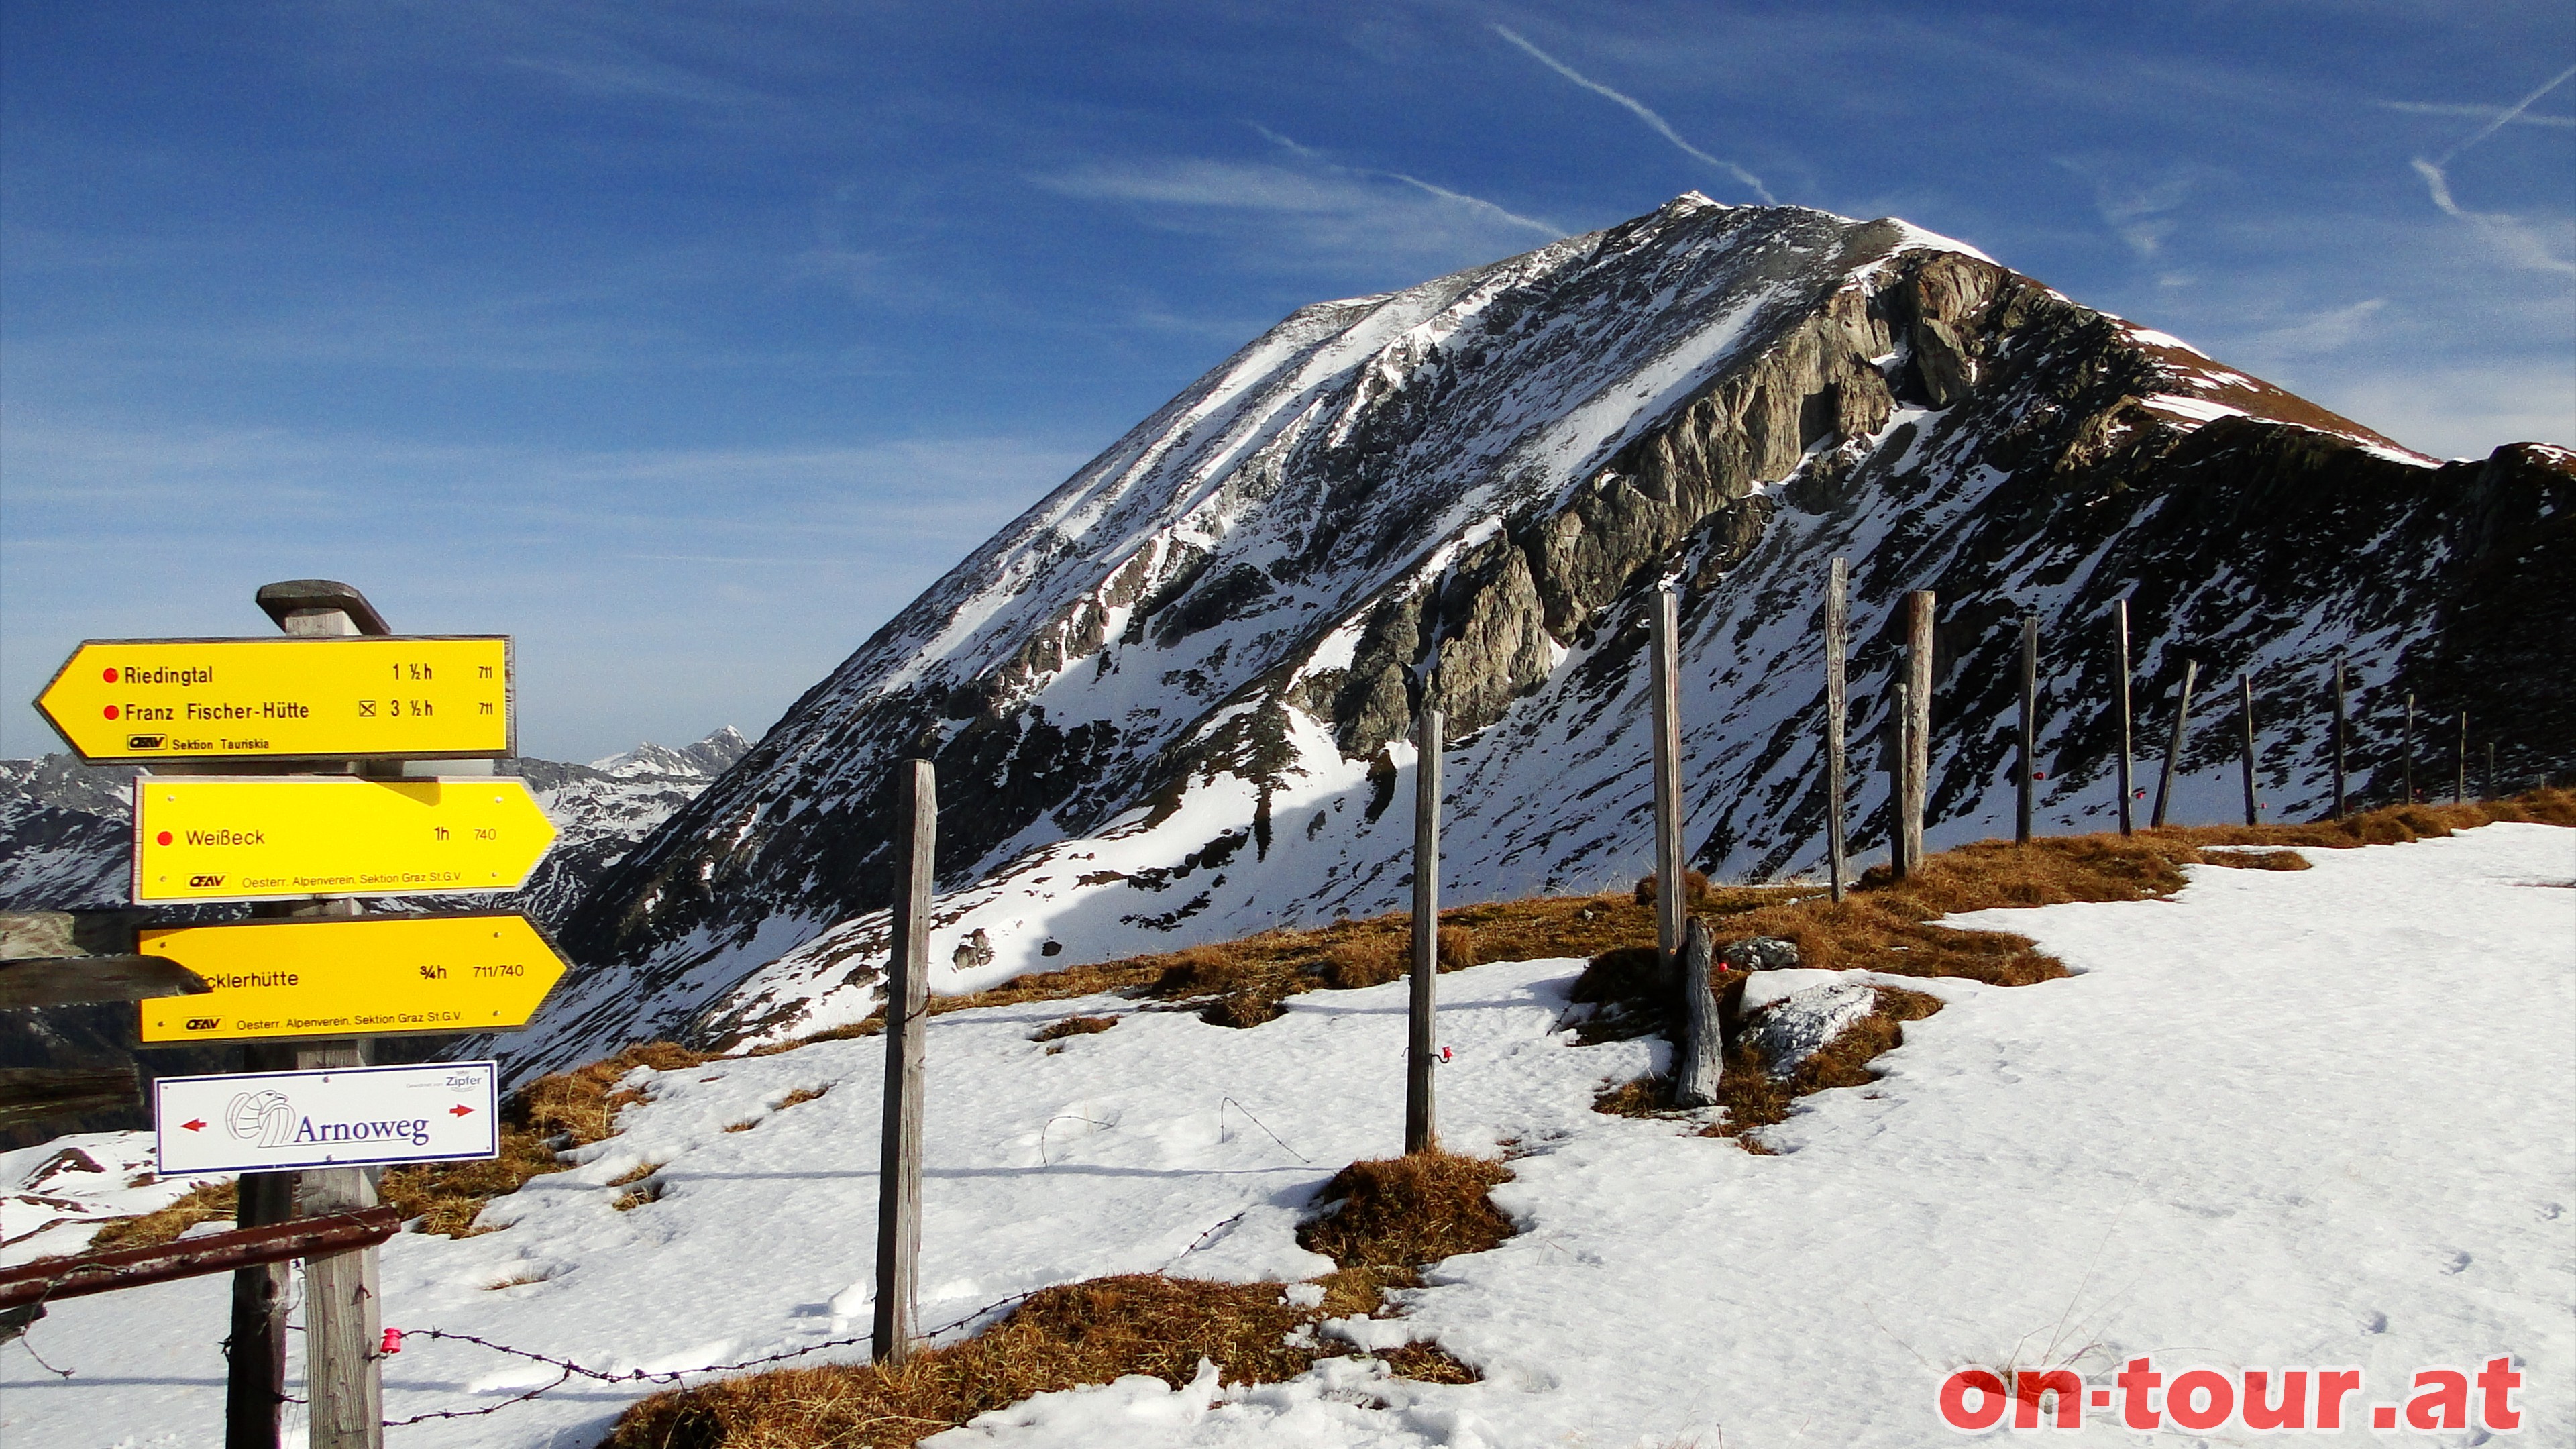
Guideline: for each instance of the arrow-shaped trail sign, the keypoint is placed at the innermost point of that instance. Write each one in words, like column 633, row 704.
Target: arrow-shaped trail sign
column 361, row 976
column 380, row 697
column 224, row 839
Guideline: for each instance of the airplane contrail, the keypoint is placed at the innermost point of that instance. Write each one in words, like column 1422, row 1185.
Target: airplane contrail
column 2518, row 239
column 2505, row 117
column 1480, row 203
column 1662, row 128
column 1316, row 157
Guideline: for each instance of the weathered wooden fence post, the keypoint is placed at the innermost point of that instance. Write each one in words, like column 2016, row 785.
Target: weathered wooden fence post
column 2120, row 703
column 1699, row 1057
column 1837, row 625
column 255, row 1353
column 343, row 1357
column 2173, row 747
column 1420, row 1127
column 344, row 1370
column 1895, row 750
column 2460, row 764
column 2407, row 765
column 1672, row 870
column 2342, row 736
column 2245, row 697
column 2029, row 727
column 916, row 815
column 1917, row 762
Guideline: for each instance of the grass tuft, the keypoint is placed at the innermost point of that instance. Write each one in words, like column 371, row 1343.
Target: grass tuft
column 1074, row 1026
column 540, row 1122
column 203, row 1203
column 1391, row 1218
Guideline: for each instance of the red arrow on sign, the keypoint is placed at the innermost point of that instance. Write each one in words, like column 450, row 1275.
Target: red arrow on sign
column 192, row 1126
column 460, row 1110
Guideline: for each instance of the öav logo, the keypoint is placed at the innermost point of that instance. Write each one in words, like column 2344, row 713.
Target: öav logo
column 204, row 882
column 204, row 1023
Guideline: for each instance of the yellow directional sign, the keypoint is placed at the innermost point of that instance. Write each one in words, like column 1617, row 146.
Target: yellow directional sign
column 419, row 697
column 352, row 976
column 200, row 838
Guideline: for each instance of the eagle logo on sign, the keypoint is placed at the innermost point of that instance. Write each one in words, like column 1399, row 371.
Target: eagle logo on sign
column 264, row 1117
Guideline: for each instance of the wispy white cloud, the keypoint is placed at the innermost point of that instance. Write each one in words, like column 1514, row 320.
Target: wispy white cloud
column 2329, row 331
column 2516, row 238
column 2141, row 215
column 624, row 573
column 1324, row 207
column 1637, row 108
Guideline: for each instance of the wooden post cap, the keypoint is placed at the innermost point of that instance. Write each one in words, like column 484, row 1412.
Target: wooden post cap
column 303, row 596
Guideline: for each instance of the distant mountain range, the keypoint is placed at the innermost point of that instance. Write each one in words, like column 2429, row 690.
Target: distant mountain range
column 1169, row 702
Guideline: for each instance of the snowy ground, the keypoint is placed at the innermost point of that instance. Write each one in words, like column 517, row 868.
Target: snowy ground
column 2287, row 1119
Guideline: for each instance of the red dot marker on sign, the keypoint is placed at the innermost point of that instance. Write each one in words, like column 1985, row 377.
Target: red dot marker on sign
column 110, row 711
column 109, row 675
column 162, row 839
column 2384, row 1416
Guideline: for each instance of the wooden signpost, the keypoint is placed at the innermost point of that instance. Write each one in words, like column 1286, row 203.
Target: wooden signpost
column 342, row 699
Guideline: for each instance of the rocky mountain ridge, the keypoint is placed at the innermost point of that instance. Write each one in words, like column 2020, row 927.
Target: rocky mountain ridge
column 1168, row 703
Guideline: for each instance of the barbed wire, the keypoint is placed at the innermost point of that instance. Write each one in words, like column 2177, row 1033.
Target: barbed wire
column 567, row 1370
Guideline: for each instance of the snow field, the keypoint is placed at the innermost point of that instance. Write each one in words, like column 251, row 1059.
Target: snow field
column 2285, row 1118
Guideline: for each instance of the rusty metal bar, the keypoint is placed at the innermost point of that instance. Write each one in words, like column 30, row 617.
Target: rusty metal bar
column 50, row 1279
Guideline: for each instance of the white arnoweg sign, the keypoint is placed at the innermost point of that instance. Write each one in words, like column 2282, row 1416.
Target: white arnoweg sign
column 340, row 1117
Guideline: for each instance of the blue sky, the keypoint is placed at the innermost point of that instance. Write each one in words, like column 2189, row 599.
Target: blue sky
column 688, row 342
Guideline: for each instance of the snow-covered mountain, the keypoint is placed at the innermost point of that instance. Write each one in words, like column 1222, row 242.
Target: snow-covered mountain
column 1168, row 703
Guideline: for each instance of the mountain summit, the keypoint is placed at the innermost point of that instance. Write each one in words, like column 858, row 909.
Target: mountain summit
column 1169, row 703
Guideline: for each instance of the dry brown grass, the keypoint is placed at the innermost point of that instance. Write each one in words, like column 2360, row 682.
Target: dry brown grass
column 1073, row 1026
column 1241, row 983
column 540, row 1122
column 1885, row 925
column 1393, row 1218
column 203, row 1203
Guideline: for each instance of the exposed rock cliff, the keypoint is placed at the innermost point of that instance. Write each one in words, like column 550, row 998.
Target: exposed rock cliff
column 1170, row 702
